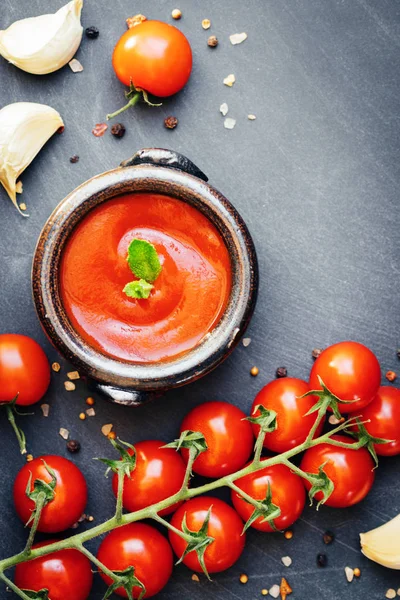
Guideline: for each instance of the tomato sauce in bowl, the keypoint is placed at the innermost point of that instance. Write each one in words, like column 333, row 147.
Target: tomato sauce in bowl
column 189, row 296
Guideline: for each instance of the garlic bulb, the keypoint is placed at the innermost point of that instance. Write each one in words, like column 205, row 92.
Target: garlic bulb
column 43, row 44
column 382, row 545
column 24, row 128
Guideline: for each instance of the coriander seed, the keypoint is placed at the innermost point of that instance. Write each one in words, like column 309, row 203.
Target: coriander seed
column 254, row 371
column 176, row 14
column 391, row 376
column 243, row 578
column 82, row 416
column 212, row 41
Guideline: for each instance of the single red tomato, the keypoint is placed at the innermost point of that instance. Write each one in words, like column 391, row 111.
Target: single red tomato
column 142, row 547
column 350, row 371
column 287, row 492
column 70, row 493
column 350, row 470
column 24, row 369
column 65, row 574
column 225, row 526
column 284, row 397
column 383, row 414
column 155, row 56
column 159, row 474
column 228, row 435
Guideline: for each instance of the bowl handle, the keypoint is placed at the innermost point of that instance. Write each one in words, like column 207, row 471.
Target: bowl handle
column 122, row 396
column 160, row 157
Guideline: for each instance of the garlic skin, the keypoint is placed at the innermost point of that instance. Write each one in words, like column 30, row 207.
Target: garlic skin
column 382, row 545
column 44, row 44
column 24, row 129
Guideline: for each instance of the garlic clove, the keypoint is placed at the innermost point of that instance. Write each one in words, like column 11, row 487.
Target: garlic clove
column 382, row 545
column 24, row 129
column 43, row 44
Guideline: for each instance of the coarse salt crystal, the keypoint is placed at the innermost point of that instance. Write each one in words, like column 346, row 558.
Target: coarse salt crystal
column 45, row 409
column 91, row 412
column 251, row 117
column 333, row 420
column 19, row 187
column 64, row 433
column 237, row 38
column 69, row 386
column 246, row 342
column 274, row 591
column 195, row 577
column 73, row 375
column 75, row 65
column 56, row 366
column 106, row 429
column 224, row 109
column 229, row 123
column 286, row 560
column 230, row 80
column 349, row 574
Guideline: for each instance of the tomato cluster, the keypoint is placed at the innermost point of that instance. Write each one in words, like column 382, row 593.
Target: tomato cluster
column 347, row 371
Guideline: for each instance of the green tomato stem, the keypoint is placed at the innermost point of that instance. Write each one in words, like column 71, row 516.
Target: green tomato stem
column 134, row 100
column 244, row 495
column 76, row 541
column 118, row 511
column 168, row 525
column 13, row 587
column 96, row 561
column 18, row 432
column 40, row 504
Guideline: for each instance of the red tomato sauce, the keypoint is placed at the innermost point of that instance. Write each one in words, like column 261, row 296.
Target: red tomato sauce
column 189, row 296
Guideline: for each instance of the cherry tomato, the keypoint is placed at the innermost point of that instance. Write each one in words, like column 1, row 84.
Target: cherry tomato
column 284, row 397
column 384, row 416
column 225, row 526
column 159, row 474
column 155, row 56
column 350, row 470
column 24, row 369
column 287, row 492
column 142, row 547
column 229, row 438
column 65, row 574
column 350, row 371
column 70, row 493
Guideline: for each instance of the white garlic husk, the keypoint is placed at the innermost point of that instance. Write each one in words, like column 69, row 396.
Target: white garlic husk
column 382, row 545
column 43, row 44
column 24, row 129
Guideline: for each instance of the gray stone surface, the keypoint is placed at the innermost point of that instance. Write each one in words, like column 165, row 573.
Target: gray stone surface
column 315, row 176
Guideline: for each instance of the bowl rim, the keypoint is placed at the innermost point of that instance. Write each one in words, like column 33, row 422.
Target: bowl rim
column 214, row 347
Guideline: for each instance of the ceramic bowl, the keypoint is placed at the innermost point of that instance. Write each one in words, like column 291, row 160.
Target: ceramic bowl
column 163, row 172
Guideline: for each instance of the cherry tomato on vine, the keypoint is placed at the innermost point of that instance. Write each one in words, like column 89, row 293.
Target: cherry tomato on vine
column 228, row 435
column 383, row 414
column 70, row 493
column 287, row 492
column 225, row 526
column 155, row 56
column 350, row 371
column 65, row 574
column 159, row 474
column 350, row 470
column 142, row 547
column 24, row 369
column 284, row 397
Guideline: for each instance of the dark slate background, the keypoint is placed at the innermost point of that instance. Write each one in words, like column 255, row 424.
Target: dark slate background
column 316, row 178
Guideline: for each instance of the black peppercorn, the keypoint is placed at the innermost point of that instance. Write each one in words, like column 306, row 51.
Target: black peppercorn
column 398, row 353
column 212, row 41
column 281, row 372
column 170, row 122
column 92, row 32
column 74, row 159
column 322, row 560
column 316, row 352
column 73, row 446
column 328, row 537
column 118, row 130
